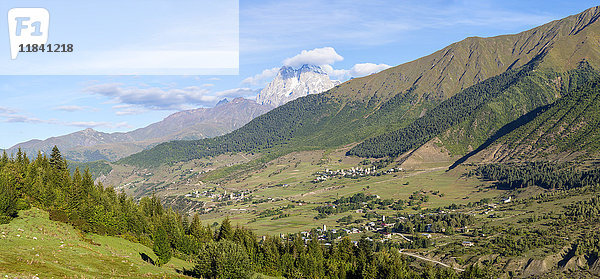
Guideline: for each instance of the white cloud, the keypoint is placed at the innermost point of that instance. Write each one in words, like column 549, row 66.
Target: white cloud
column 155, row 97
column 237, row 92
column 337, row 74
column 265, row 75
column 14, row 118
column 123, row 106
column 94, row 124
column 131, row 111
column 364, row 69
column 70, row 108
column 358, row 70
column 11, row 116
column 322, row 57
column 317, row 56
column 5, row 110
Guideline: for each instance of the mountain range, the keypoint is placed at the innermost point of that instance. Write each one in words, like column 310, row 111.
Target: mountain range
column 92, row 145
column 462, row 95
column 484, row 155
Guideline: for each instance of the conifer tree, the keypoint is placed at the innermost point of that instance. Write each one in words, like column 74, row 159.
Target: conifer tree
column 161, row 247
column 225, row 232
column 56, row 159
column 8, row 197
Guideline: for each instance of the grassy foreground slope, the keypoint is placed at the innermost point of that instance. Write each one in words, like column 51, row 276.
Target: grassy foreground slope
column 33, row 245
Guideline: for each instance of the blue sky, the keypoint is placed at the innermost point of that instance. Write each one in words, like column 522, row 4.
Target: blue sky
column 348, row 38
column 110, row 37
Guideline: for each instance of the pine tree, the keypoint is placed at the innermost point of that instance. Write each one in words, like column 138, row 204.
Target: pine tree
column 4, row 159
column 56, row 160
column 225, row 232
column 201, row 233
column 75, row 194
column 8, row 197
column 161, row 247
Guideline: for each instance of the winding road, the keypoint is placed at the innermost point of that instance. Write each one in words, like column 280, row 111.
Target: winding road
column 430, row 260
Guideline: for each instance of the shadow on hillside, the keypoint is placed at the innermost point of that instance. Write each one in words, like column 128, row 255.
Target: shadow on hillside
column 147, row 258
column 188, row 272
column 526, row 118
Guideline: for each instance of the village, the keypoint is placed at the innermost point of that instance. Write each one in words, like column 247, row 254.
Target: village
column 354, row 172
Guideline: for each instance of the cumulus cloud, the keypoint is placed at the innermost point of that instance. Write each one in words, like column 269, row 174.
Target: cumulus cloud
column 323, row 57
column 265, row 75
column 365, row 69
column 317, row 56
column 358, row 70
column 155, row 97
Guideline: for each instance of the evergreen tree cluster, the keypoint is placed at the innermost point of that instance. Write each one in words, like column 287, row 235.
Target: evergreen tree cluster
column 543, row 174
column 237, row 255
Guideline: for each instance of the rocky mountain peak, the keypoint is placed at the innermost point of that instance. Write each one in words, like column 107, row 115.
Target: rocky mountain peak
column 222, row 102
column 291, row 83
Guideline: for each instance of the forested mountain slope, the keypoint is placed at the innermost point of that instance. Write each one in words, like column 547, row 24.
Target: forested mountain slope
column 568, row 129
column 391, row 100
column 468, row 119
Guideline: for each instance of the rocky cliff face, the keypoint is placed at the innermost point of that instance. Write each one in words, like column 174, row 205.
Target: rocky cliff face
column 290, row 84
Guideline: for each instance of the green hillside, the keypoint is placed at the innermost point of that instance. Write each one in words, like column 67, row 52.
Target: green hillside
column 503, row 113
column 315, row 121
column 391, row 100
column 96, row 168
column 33, row 245
column 468, row 119
column 569, row 129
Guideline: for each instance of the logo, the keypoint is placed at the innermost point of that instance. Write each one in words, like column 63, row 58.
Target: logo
column 27, row 26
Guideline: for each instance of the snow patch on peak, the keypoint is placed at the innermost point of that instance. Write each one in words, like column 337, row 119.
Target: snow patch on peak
column 290, row 84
